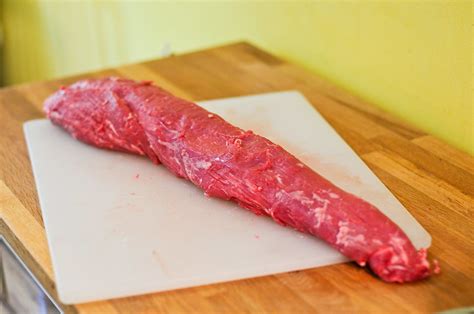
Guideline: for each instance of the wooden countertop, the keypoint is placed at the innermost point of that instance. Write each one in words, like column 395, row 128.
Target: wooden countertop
column 432, row 179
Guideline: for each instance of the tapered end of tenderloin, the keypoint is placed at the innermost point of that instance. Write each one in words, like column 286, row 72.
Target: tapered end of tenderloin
column 395, row 267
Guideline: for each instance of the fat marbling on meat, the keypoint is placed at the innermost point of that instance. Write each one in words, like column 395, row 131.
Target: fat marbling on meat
column 230, row 163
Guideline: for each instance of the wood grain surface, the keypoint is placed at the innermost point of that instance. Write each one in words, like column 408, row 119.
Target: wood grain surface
column 434, row 181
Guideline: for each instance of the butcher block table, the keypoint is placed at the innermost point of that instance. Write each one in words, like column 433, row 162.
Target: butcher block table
column 433, row 180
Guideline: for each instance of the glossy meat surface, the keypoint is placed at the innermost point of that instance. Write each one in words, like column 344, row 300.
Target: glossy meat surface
column 233, row 164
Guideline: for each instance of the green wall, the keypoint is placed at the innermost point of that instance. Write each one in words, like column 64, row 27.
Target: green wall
column 412, row 58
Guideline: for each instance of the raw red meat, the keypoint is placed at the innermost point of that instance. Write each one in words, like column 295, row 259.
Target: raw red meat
column 233, row 164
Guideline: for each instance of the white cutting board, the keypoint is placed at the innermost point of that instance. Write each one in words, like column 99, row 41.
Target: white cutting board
column 118, row 225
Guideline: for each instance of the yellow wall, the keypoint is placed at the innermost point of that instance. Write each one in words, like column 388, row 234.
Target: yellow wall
column 412, row 58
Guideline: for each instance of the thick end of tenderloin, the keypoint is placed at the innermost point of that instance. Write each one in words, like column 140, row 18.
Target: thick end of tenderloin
column 98, row 117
